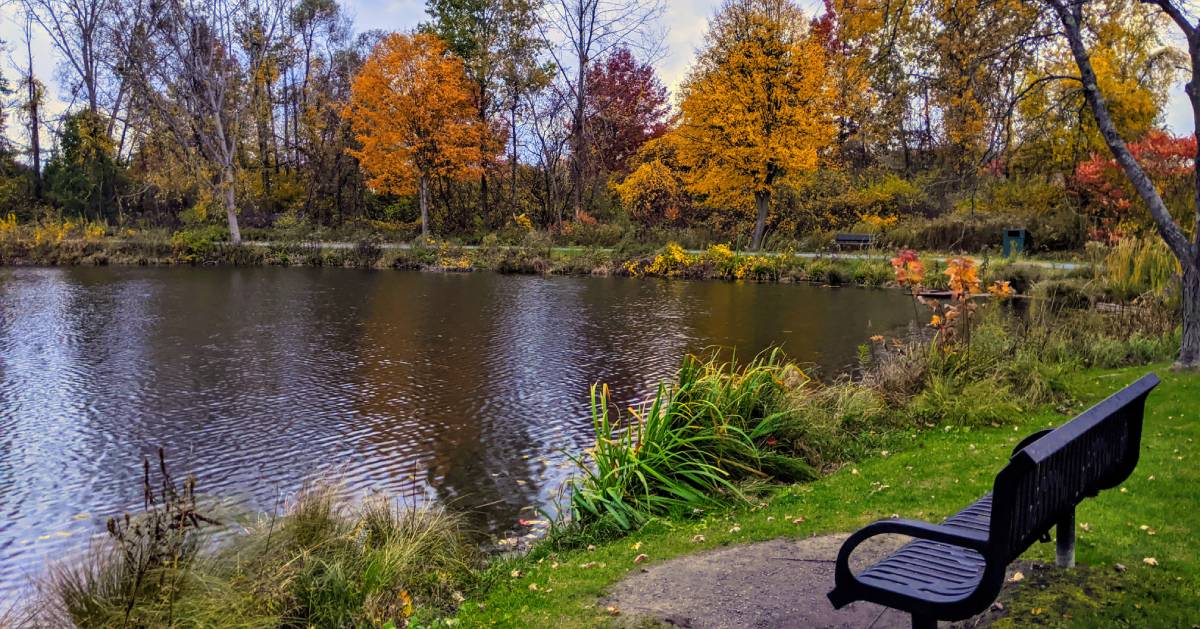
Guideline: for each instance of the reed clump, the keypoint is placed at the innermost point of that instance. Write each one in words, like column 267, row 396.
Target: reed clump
column 317, row 562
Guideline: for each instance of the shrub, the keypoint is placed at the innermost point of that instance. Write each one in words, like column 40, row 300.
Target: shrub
column 653, row 193
column 672, row 262
column 366, row 254
column 196, row 245
column 871, row 272
column 1056, row 295
column 974, row 403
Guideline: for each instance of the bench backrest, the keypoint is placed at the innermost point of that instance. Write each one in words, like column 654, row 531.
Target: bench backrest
column 1047, row 478
column 855, row 238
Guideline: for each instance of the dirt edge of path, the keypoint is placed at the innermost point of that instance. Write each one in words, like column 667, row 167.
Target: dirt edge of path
column 778, row 583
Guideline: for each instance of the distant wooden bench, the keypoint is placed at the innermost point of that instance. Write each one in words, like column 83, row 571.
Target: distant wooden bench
column 860, row 241
column 954, row 570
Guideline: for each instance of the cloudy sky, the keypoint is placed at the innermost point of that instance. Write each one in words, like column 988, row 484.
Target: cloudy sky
column 684, row 22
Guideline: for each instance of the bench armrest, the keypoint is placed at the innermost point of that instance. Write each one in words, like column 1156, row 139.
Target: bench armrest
column 952, row 535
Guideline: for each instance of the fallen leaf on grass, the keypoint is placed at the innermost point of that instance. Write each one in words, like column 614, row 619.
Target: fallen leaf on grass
column 533, row 587
column 799, row 520
column 640, row 558
column 516, row 574
column 1017, row 576
column 1150, row 561
column 613, row 611
column 735, row 529
column 697, row 538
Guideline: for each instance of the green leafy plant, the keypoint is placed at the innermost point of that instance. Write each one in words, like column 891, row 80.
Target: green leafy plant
column 689, row 446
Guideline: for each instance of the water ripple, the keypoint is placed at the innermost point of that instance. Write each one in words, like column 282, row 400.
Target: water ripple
column 462, row 388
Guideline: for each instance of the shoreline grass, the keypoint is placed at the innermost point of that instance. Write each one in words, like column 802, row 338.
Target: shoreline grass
column 537, row 257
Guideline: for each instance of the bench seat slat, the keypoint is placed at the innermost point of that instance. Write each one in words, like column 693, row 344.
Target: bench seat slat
column 933, row 570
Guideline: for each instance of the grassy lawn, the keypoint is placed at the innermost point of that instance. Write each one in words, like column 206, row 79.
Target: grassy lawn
column 928, row 476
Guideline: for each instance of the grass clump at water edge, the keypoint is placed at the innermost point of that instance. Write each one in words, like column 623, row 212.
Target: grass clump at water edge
column 690, row 446
column 317, row 563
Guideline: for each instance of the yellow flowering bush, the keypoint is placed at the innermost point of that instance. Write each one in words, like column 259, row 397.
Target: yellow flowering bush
column 719, row 253
column 672, row 262
column 52, row 231
column 755, row 267
column 876, row 221
column 522, row 220
column 8, row 227
column 723, row 260
column 93, row 232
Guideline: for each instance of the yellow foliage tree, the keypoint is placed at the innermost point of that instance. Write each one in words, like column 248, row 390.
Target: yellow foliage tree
column 412, row 109
column 757, row 106
column 653, row 193
column 1135, row 68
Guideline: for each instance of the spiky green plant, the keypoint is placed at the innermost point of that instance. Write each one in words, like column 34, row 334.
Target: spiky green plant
column 689, row 447
column 1135, row 266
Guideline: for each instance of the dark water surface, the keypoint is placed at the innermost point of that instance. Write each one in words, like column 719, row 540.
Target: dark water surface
column 462, row 388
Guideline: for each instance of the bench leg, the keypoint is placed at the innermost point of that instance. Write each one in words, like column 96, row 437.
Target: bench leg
column 924, row 622
column 1065, row 541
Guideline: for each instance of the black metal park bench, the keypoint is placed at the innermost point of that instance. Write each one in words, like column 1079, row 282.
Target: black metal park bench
column 860, row 241
column 954, row 570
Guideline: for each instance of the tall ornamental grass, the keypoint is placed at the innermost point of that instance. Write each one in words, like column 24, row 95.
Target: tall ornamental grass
column 690, row 446
column 1136, row 266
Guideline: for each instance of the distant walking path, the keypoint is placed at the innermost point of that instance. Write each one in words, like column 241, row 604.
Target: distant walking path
column 837, row 255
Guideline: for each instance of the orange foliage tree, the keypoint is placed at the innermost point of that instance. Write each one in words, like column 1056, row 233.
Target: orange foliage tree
column 757, row 107
column 412, row 109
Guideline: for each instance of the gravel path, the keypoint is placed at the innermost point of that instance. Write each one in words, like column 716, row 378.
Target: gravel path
column 780, row 583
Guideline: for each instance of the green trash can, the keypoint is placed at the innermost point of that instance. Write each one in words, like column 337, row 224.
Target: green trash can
column 1015, row 241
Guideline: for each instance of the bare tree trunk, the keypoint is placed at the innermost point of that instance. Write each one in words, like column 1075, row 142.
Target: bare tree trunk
column 580, row 149
column 35, row 143
column 512, row 117
column 423, row 199
column 1188, row 253
column 762, row 200
column 35, row 148
column 1189, row 348
column 228, row 180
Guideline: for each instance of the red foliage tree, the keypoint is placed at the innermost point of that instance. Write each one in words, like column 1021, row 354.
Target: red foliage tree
column 628, row 106
column 1108, row 195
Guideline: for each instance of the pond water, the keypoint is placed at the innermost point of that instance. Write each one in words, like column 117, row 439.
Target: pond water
column 464, row 388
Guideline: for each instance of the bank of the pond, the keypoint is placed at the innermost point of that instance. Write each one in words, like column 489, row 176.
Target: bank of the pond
column 919, row 431
column 672, row 261
column 1138, row 551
